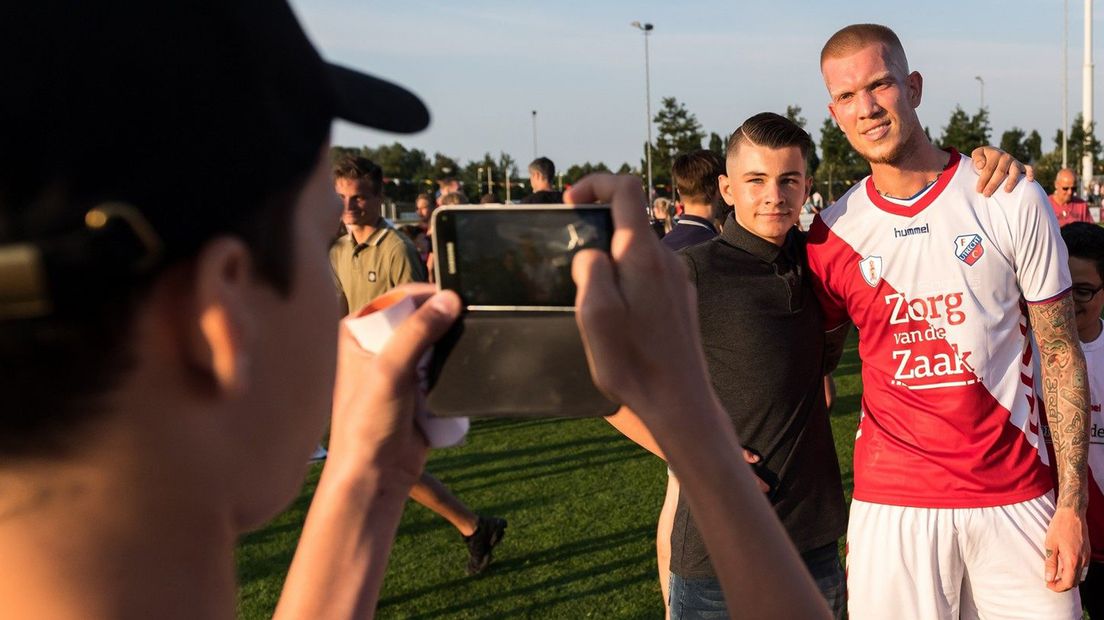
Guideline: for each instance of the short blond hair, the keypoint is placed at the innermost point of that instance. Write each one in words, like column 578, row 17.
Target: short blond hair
column 857, row 36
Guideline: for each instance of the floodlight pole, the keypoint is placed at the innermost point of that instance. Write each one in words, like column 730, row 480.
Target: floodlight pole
column 1087, row 104
column 647, row 29
column 1065, row 85
column 535, row 134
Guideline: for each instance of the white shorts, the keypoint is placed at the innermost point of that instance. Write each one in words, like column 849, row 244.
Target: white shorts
column 929, row 563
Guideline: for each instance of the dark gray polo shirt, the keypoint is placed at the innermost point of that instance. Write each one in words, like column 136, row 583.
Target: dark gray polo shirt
column 764, row 344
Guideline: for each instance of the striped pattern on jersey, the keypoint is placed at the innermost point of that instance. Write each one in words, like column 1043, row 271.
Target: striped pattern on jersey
column 937, row 291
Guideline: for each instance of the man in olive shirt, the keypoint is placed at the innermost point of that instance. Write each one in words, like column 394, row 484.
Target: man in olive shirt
column 374, row 257
column 369, row 261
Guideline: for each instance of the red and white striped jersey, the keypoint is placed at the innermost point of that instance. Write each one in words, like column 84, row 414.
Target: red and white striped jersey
column 936, row 287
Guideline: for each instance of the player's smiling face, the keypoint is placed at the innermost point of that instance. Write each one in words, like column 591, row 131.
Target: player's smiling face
column 873, row 99
column 766, row 188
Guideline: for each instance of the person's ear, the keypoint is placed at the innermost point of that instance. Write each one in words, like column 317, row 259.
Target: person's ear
column 808, row 188
column 832, row 113
column 724, row 184
column 222, row 343
column 915, row 83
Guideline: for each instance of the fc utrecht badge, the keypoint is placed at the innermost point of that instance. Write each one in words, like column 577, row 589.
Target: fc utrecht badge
column 968, row 248
column 871, row 269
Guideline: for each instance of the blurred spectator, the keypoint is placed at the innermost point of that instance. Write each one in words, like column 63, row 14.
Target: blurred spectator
column 695, row 176
column 541, row 173
column 488, row 199
column 455, row 198
column 447, row 183
column 1067, row 206
column 418, row 236
column 663, row 216
column 423, row 206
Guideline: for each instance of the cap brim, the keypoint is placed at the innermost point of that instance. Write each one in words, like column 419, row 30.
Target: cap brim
column 376, row 103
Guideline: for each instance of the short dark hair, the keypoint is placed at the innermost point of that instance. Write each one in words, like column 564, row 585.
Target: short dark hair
column 855, row 37
column 770, row 130
column 1085, row 241
column 426, row 197
column 488, row 199
column 357, row 168
column 695, row 175
column 544, row 166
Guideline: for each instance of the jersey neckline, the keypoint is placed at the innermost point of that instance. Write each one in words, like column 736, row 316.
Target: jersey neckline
column 941, row 183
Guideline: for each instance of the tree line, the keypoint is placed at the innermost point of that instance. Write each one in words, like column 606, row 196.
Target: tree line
column 835, row 168
column 409, row 172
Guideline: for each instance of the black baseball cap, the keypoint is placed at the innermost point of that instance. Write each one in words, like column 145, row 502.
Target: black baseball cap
column 181, row 116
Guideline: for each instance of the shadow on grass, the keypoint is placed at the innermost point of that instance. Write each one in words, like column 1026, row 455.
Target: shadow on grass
column 608, row 588
column 535, row 596
column 532, row 562
column 486, row 426
column 470, row 458
column 554, row 463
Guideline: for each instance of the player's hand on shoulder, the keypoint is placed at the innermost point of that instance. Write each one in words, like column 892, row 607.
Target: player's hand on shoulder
column 994, row 166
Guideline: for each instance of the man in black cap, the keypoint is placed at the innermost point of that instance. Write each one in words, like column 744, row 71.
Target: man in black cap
column 169, row 356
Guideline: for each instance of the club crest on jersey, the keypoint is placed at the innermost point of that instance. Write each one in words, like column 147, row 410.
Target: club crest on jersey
column 871, row 269
column 968, row 248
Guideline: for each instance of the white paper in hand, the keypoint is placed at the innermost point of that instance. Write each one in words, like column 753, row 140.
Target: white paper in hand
column 371, row 328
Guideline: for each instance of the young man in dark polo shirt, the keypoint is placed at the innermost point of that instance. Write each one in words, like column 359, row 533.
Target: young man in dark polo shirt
column 761, row 328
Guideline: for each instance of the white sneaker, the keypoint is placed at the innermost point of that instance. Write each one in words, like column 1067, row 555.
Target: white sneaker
column 319, row 454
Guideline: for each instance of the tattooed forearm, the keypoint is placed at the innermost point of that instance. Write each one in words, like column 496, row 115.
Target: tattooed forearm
column 1066, row 395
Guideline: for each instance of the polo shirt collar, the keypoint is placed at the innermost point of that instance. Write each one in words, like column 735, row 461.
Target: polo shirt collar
column 377, row 235
column 738, row 236
column 694, row 220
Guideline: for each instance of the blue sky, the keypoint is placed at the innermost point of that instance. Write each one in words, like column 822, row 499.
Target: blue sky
column 483, row 65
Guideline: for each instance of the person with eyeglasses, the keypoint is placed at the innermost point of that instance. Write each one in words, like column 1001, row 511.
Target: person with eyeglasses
column 1067, row 206
column 1085, row 243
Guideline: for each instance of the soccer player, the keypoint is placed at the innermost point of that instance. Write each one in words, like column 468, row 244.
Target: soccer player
column 953, row 513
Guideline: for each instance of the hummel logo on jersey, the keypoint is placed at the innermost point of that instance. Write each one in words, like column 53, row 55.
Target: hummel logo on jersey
column 871, row 269
column 910, row 231
column 968, row 248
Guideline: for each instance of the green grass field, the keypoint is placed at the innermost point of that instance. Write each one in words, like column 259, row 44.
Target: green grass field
column 582, row 503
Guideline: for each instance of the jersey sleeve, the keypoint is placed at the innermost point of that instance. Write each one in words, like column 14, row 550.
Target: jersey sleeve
column 1041, row 260
column 825, row 274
